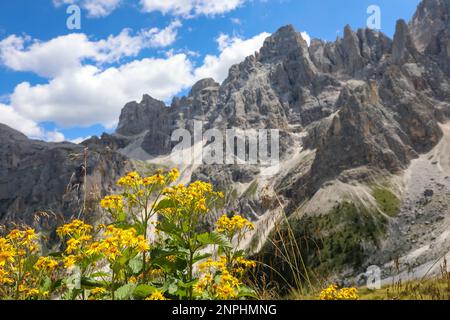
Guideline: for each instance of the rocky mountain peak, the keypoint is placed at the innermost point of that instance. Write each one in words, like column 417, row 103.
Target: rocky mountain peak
column 430, row 20
column 282, row 43
column 137, row 117
column 8, row 134
column 403, row 49
column 203, row 84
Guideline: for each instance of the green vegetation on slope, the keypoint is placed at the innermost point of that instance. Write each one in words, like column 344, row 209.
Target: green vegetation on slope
column 328, row 243
column 388, row 202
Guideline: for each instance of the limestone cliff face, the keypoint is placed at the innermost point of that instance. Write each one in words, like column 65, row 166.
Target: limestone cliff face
column 34, row 176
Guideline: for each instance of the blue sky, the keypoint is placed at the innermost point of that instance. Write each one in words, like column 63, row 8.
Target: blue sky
column 66, row 84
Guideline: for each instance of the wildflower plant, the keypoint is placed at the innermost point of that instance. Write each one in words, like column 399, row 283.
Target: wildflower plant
column 154, row 249
column 223, row 278
column 23, row 274
column 333, row 293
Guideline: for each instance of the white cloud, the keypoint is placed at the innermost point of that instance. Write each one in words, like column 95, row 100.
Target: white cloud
column 46, row 59
column 164, row 37
column 67, row 53
column 236, row 21
column 13, row 119
column 306, row 37
column 89, row 95
column 95, row 8
column 94, row 93
column 190, row 8
column 80, row 140
column 54, row 136
column 232, row 50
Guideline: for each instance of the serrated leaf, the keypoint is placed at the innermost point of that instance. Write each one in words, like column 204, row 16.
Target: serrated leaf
column 214, row 238
column 136, row 265
column 125, row 292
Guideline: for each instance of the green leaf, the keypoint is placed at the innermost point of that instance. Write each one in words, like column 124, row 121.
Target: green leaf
column 173, row 288
column 46, row 284
column 246, row 292
column 165, row 204
column 200, row 257
column 125, row 292
column 100, row 274
column 91, row 283
column 143, row 291
column 215, row 239
column 136, row 265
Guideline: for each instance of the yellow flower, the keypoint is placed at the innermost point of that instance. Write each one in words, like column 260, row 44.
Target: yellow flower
column 246, row 263
column 5, row 277
column 233, row 225
column 98, row 291
column 131, row 180
column 112, row 203
column 74, row 229
column 69, row 261
column 132, row 280
column 47, row 264
column 203, row 283
column 173, row 175
column 332, row 293
column 157, row 295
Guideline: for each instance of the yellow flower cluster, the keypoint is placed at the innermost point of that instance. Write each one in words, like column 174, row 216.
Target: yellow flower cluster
column 27, row 292
column 98, row 291
column 194, row 197
column 5, row 277
column 116, row 241
column 157, row 295
column 16, row 246
column 76, row 228
column 19, row 274
column 131, row 180
column 332, row 293
column 134, row 180
column 46, row 264
column 225, row 289
column 211, row 266
column 113, row 202
column 23, row 241
column 233, row 225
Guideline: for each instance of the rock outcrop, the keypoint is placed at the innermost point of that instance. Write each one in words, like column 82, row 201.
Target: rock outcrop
column 34, row 176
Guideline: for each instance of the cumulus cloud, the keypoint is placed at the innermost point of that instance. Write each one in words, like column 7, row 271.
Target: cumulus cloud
column 95, row 8
column 232, row 50
column 191, row 8
column 54, row 136
column 67, row 53
column 91, row 95
column 15, row 120
column 164, row 37
column 184, row 8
